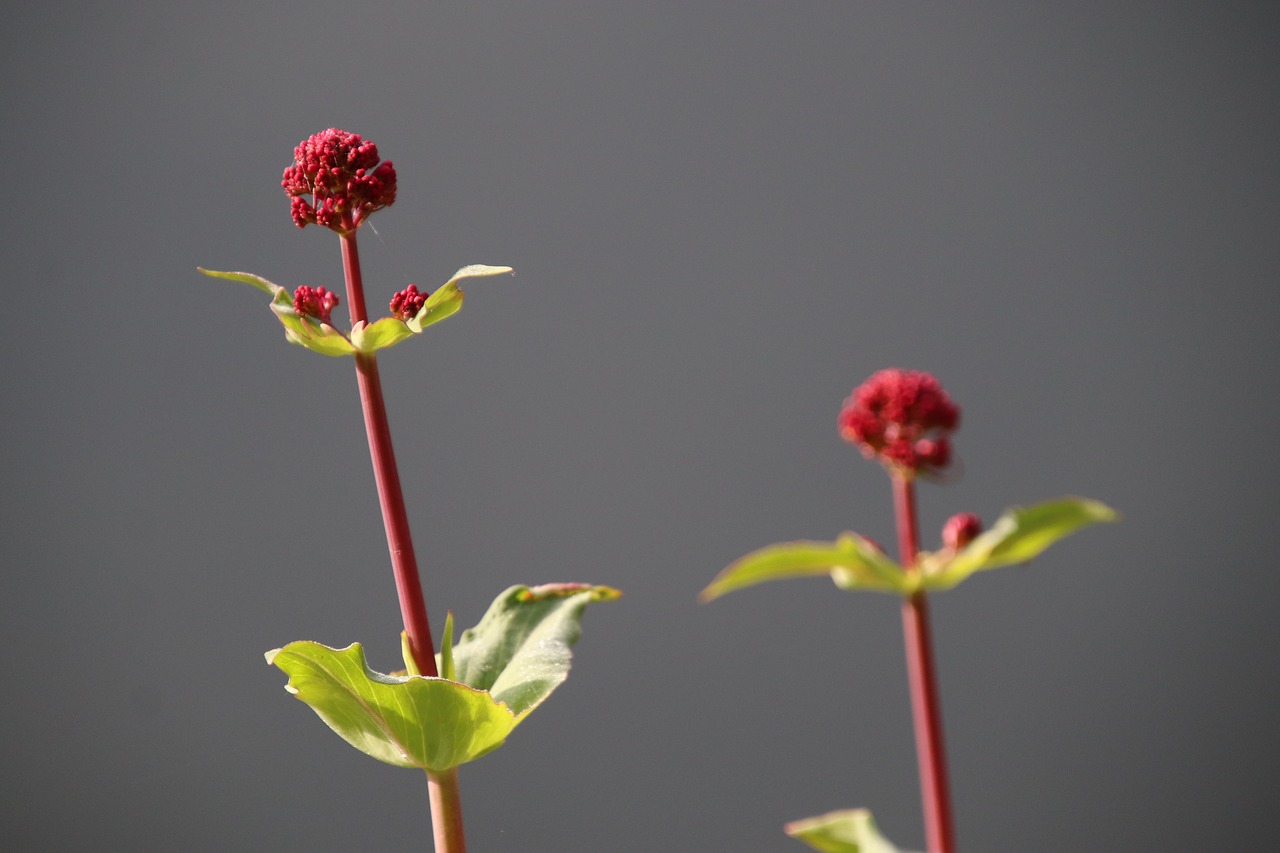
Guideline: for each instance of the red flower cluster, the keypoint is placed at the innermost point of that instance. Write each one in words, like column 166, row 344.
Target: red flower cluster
column 340, row 172
column 314, row 302
column 407, row 303
column 960, row 529
column 901, row 417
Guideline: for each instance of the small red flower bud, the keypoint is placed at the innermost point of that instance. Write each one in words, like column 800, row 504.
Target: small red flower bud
column 341, row 173
column 314, row 302
column 407, row 303
column 901, row 417
column 960, row 529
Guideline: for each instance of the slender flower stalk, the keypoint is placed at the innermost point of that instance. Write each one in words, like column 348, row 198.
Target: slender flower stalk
column 404, row 563
column 926, row 705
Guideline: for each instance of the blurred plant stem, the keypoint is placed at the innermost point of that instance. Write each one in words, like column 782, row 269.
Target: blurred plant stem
column 926, row 708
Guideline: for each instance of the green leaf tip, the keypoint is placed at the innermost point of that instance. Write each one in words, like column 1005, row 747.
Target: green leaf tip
column 1019, row 535
column 846, row 831
column 852, row 561
column 246, row 277
column 447, row 669
column 406, row 721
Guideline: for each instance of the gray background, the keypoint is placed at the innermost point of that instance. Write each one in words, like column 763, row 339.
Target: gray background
column 723, row 216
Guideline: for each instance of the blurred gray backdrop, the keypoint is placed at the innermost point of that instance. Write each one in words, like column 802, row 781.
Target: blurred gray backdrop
column 723, row 217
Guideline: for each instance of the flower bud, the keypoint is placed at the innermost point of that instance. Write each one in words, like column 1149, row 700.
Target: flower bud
column 407, row 303
column 315, row 302
column 960, row 529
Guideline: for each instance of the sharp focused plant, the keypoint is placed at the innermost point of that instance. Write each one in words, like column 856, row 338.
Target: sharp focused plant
column 904, row 420
column 449, row 708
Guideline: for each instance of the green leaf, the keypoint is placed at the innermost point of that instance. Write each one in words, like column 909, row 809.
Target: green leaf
column 408, row 721
column 447, row 669
column 387, row 332
column 477, row 271
column 1017, row 536
column 847, row 831
column 445, row 302
column 519, row 651
column 852, row 561
column 304, row 331
column 246, row 277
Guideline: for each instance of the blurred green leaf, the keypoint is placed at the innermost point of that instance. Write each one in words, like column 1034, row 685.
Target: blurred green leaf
column 852, row 561
column 848, row 831
column 519, row 651
column 1017, row 536
column 408, row 721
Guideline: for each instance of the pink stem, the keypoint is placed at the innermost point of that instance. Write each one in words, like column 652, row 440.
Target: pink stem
column 446, row 805
column 926, row 705
column 446, row 812
column 413, row 608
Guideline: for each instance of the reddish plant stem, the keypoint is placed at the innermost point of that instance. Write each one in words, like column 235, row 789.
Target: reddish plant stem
column 442, row 788
column 404, row 564
column 446, row 811
column 926, row 707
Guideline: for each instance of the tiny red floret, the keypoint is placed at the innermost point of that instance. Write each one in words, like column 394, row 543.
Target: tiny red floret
column 901, row 417
column 342, row 175
column 960, row 529
column 407, row 303
column 315, row 302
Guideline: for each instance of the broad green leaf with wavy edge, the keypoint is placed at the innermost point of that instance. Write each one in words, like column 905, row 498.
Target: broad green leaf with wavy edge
column 1020, row 534
column 852, row 561
column 365, row 337
column 846, row 831
column 519, row 651
column 505, row 667
column 408, row 721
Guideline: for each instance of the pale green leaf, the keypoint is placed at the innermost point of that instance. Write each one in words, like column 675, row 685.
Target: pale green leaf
column 246, row 277
column 477, row 271
column 387, row 332
column 852, row 561
column 1017, row 536
column 408, row 721
column 304, row 331
column 847, row 831
column 519, row 651
column 445, row 302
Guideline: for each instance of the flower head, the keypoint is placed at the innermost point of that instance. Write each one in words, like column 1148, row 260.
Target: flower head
column 407, row 303
column 901, row 417
column 960, row 529
column 315, row 302
column 341, row 173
